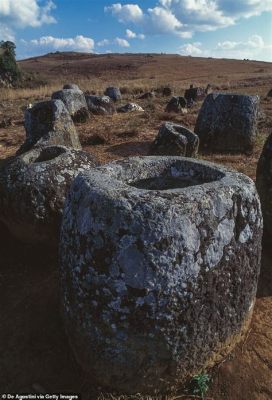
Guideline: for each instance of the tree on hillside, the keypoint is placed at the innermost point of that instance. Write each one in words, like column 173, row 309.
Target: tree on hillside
column 9, row 70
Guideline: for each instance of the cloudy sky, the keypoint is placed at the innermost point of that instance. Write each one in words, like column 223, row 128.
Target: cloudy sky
column 205, row 28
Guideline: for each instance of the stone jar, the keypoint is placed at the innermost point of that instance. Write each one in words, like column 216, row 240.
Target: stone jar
column 33, row 188
column 160, row 258
column 101, row 105
column 175, row 140
column 228, row 122
column 114, row 93
column 176, row 104
column 264, row 185
column 49, row 123
column 75, row 103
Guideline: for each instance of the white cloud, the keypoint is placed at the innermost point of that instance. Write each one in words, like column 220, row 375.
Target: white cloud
column 160, row 20
column 121, row 42
column 130, row 34
column 126, row 13
column 185, row 34
column 6, row 33
column 252, row 48
column 23, row 13
column 244, row 8
column 104, row 42
column 133, row 35
column 117, row 41
column 18, row 14
column 184, row 17
column 200, row 15
column 79, row 42
column 254, row 42
column 191, row 49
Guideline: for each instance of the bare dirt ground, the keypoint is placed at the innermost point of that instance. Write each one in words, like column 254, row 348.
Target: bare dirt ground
column 34, row 352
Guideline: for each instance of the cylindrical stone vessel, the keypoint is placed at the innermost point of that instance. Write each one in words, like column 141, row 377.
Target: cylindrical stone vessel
column 160, row 259
column 264, row 185
column 33, row 188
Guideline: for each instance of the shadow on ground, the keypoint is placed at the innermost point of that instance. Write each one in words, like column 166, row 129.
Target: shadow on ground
column 265, row 279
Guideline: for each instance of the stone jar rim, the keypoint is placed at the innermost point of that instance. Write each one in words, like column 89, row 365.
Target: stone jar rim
column 121, row 174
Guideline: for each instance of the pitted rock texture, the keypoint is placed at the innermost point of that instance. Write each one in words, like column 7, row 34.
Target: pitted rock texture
column 194, row 94
column 114, row 93
column 264, row 185
column 75, row 103
column 228, row 122
column 176, row 104
column 175, row 140
column 71, row 86
column 49, row 123
column 100, row 105
column 33, row 188
column 160, row 258
column 130, row 107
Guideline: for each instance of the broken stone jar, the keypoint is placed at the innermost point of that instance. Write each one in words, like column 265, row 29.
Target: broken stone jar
column 160, row 259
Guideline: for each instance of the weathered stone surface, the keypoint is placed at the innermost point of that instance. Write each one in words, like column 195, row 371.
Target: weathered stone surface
column 33, row 188
column 100, row 105
column 75, row 103
column 71, row 86
column 269, row 94
column 228, row 122
column 48, row 123
column 175, row 140
column 114, row 93
column 147, row 95
column 167, row 91
column 264, row 185
column 130, row 107
column 159, row 264
column 209, row 89
column 176, row 104
column 194, row 94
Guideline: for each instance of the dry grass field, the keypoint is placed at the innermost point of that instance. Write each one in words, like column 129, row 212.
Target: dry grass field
column 34, row 351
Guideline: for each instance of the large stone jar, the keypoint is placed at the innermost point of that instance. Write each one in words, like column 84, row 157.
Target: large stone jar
column 160, row 259
column 228, row 122
column 33, row 189
column 264, row 185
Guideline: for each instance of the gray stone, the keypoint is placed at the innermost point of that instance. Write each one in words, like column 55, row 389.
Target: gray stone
column 48, row 123
column 167, row 91
column 228, row 122
column 100, row 105
column 160, row 258
column 130, row 107
column 75, row 103
column 114, row 93
column 71, row 86
column 147, row 95
column 175, row 140
column 194, row 94
column 177, row 104
column 264, row 185
column 33, row 188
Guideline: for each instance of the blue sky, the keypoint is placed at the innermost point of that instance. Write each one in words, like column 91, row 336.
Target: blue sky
column 206, row 28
